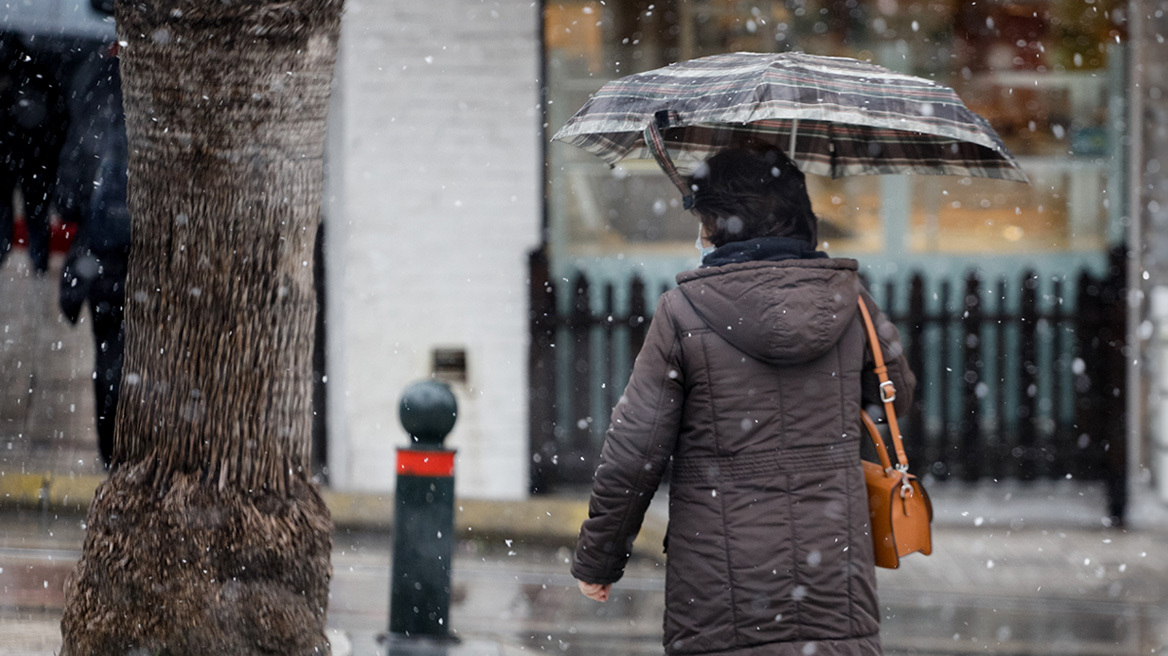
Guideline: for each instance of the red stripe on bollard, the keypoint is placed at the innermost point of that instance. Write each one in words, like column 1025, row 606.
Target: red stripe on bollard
column 412, row 462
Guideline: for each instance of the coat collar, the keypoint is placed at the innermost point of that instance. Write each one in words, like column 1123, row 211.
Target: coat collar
column 762, row 249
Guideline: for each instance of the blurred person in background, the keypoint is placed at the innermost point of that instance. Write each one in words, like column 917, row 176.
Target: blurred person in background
column 34, row 119
column 92, row 193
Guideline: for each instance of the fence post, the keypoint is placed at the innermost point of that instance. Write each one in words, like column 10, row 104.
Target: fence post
column 916, row 361
column 638, row 319
column 1028, row 378
column 1007, row 425
column 541, row 367
column 1088, row 408
column 945, row 448
column 889, row 302
column 971, row 442
column 581, row 454
column 1062, row 438
column 608, row 395
column 1113, row 336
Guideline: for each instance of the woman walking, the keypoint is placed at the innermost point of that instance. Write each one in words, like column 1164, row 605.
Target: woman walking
column 751, row 380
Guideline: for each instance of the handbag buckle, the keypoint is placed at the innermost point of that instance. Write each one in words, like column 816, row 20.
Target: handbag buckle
column 906, row 489
column 887, row 392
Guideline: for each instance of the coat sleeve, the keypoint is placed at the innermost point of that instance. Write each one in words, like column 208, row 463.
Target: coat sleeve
column 639, row 442
column 894, row 358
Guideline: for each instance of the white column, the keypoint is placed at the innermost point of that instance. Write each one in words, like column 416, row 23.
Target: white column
column 1159, row 456
column 439, row 203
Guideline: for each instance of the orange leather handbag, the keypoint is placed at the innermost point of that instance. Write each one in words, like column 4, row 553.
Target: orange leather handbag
column 899, row 510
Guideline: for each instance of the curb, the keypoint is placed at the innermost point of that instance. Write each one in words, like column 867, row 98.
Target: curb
column 555, row 520
column 67, row 492
column 549, row 520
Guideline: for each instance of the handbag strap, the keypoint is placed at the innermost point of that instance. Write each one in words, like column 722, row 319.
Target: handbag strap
column 881, row 450
column 887, row 395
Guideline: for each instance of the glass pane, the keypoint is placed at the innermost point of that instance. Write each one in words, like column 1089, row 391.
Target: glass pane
column 971, row 215
column 1047, row 74
column 849, row 213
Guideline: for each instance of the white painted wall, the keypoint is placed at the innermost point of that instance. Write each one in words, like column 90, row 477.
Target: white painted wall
column 55, row 18
column 434, row 204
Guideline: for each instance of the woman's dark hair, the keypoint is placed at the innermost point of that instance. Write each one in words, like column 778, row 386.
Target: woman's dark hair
column 746, row 193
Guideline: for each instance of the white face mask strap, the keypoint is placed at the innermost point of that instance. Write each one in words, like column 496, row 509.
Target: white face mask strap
column 702, row 248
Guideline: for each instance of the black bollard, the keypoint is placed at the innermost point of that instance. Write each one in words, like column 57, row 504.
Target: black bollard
column 423, row 541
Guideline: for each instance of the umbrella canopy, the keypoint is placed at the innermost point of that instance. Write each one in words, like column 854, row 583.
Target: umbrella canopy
column 834, row 116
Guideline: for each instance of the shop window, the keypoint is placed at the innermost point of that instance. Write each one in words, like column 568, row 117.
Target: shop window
column 1047, row 74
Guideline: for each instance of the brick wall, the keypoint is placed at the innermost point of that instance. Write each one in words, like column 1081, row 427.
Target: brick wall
column 434, row 203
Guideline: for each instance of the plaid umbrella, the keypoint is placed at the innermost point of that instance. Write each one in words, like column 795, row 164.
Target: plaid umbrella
column 834, row 116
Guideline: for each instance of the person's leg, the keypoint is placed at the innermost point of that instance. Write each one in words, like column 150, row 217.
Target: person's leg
column 7, row 187
column 37, row 187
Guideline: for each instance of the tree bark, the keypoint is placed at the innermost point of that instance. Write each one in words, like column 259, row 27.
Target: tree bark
column 209, row 537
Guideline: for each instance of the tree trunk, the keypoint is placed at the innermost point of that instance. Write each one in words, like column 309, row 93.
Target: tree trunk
column 209, row 536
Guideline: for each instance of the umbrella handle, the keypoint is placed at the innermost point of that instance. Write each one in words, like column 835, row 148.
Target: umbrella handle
column 656, row 144
column 794, row 129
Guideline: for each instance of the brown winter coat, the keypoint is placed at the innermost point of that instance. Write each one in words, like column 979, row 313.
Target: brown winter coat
column 750, row 380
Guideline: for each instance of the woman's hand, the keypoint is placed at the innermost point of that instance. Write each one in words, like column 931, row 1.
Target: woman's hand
column 595, row 591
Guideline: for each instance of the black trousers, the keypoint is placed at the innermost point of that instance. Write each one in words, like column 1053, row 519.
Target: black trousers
column 36, row 179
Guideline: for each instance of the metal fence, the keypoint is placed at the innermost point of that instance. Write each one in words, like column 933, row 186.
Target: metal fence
column 1016, row 378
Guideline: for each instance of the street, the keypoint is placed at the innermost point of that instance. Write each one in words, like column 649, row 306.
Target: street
column 985, row 590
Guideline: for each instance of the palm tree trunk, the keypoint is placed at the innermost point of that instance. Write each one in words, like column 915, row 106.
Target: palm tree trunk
column 209, row 536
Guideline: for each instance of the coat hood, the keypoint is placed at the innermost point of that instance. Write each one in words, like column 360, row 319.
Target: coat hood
column 784, row 312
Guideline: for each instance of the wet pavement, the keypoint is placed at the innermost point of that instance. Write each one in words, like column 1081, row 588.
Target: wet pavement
column 986, row 589
column 46, row 392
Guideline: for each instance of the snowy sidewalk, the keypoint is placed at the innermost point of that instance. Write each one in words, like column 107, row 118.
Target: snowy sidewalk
column 987, row 589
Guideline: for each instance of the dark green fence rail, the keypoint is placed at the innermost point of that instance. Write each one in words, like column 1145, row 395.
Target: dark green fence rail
column 1017, row 378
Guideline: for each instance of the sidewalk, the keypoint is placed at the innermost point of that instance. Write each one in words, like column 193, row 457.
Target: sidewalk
column 1087, row 592
column 1035, row 573
column 1011, row 503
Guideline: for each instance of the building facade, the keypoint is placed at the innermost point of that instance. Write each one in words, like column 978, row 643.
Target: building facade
column 1055, row 78
column 446, row 200
column 435, row 168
